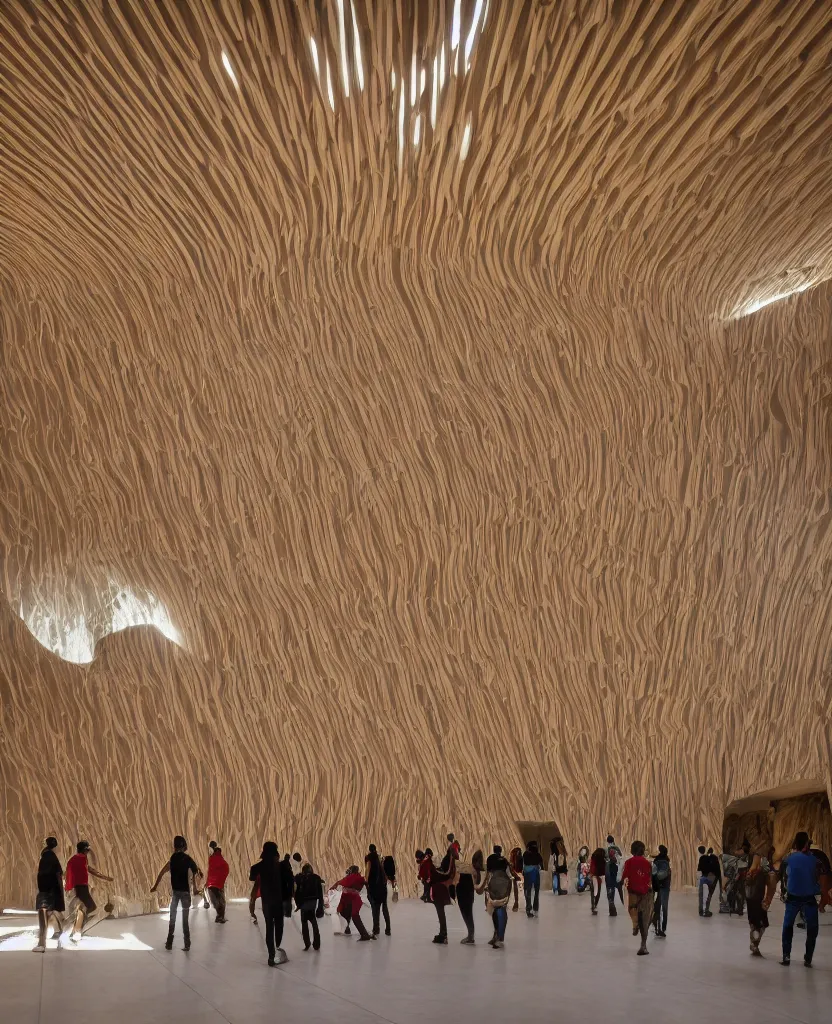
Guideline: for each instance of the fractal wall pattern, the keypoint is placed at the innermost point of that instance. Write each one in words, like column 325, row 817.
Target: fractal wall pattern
column 387, row 441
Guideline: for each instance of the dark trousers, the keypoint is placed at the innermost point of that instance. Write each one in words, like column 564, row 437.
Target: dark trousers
column 273, row 916
column 378, row 908
column 355, row 919
column 217, row 897
column 443, row 924
column 465, row 902
column 425, row 897
column 660, row 909
column 307, row 917
column 809, row 906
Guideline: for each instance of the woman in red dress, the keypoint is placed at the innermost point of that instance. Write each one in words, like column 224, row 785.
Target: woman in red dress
column 349, row 906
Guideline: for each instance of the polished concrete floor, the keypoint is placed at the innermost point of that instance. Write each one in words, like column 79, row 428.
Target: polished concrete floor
column 565, row 966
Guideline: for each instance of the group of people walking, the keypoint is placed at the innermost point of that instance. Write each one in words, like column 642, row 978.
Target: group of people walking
column 286, row 884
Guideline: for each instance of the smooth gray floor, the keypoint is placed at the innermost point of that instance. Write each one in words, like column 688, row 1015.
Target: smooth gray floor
column 563, row 966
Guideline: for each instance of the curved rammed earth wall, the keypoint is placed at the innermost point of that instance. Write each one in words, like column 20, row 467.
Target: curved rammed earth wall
column 468, row 498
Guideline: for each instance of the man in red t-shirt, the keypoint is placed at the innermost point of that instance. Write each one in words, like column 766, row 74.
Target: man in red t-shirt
column 77, row 881
column 215, row 882
column 638, row 878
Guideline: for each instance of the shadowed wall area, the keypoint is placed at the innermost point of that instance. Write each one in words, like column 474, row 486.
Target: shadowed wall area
column 388, row 357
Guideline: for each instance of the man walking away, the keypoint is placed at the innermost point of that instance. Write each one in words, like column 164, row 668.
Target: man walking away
column 707, row 882
column 181, row 867
column 78, row 871
column 309, row 897
column 637, row 877
column 614, row 858
column 215, row 882
column 661, row 887
column 532, row 863
column 760, row 885
column 50, row 898
column 268, row 872
column 802, row 888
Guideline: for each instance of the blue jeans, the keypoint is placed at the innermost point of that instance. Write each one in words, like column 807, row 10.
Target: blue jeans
column 180, row 899
column 660, row 916
column 531, row 883
column 809, row 906
column 706, row 882
column 499, row 915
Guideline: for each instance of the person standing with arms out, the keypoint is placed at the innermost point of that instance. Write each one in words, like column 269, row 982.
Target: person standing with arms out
column 662, row 876
column 181, row 867
column 497, row 887
column 597, row 874
column 532, row 863
column 802, row 888
column 637, row 876
column 50, row 898
column 349, row 906
column 377, row 890
column 215, row 882
column 78, row 871
column 309, row 898
column 613, row 866
column 267, row 872
column 515, row 859
column 760, row 886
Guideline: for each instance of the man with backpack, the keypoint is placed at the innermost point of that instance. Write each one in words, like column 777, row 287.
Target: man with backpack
column 614, row 859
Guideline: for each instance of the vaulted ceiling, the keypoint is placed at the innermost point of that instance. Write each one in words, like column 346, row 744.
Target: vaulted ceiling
column 409, row 366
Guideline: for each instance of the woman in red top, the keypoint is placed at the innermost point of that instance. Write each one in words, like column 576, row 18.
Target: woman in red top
column 215, row 882
column 439, row 895
column 638, row 877
column 349, row 906
column 597, row 874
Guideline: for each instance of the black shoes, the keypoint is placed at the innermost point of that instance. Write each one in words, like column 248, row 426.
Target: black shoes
column 169, row 945
column 785, row 962
column 386, row 931
column 613, row 911
column 441, row 940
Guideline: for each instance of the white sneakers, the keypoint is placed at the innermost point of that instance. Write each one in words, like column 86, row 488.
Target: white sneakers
column 39, row 949
column 281, row 957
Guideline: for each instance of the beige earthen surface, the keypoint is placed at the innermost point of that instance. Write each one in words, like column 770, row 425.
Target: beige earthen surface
column 467, row 497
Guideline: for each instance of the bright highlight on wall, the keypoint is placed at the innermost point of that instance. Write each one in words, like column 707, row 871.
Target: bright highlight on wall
column 752, row 307
column 72, row 633
column 226, row 63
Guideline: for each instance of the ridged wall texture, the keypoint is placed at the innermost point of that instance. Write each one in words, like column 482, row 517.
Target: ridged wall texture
column 424, row 414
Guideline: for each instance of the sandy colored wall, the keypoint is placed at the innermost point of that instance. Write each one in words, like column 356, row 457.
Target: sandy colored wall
column 468, row 500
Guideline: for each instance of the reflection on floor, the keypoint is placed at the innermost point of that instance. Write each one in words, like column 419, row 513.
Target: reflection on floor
column 565, row 966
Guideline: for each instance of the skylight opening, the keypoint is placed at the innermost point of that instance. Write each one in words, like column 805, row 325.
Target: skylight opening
column 413, row 80
column 401, row 125
column 472, row 35
column 434, row 95
column 359, row 65
column 466, row 141
column 442, row 67
column 456, row 27
column 329, row 92
column 313, row 46
column 757, row 304
column 342, row 38
column 417, row 130
column 226, row 63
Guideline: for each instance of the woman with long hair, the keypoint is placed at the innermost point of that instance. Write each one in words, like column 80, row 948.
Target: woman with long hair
column 468, row 877
column 377, row 890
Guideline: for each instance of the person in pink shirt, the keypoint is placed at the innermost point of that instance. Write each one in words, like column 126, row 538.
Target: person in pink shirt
column 638, row 878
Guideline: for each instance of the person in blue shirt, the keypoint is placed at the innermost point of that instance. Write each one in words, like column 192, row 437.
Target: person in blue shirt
column 802, row 889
